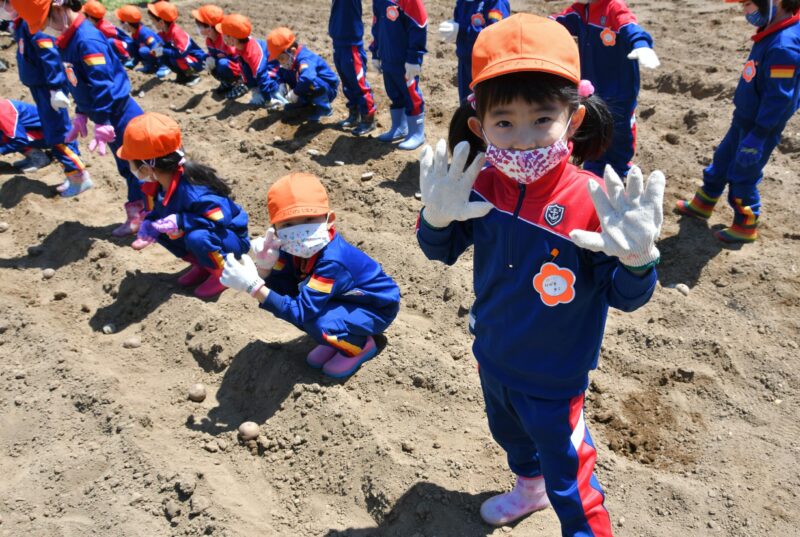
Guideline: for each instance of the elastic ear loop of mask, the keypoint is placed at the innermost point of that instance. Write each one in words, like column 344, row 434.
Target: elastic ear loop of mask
column 180, row 152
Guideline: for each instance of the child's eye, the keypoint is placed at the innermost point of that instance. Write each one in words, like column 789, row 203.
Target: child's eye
column 503, row 124
column 543, row 121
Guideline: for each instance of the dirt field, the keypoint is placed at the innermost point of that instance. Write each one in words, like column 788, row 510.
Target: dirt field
column 694, row 407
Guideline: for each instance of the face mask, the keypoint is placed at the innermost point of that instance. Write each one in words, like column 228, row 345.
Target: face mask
column 304, row 240
column 8, row 8
column 758, row 20
column 527, row 166
column 288, row 64
column 200, row 31
column 58, row 21
column 141, row 176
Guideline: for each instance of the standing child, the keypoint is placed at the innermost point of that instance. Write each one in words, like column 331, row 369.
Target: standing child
column 183, row 56
column 259, row 73
column 547, row 263
column 98, row 83
column 399, row 36
column 609, row 39
column 469, row 18
column 347, row 31
column 120, row 42
column 222, row 60
column 144, row 41
column 191, row 213
column 40, row 69
column 767, row 96
column 310, row 79
column 315, row 279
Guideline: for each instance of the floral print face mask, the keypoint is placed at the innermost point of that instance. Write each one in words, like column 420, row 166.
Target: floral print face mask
column 304, row 240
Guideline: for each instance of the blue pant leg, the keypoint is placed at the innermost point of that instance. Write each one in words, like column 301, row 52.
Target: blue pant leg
column 124, row 112
column 464, row 77
column 176, row 247
column 567, row 456
column 744, row 180
column 149, row 62
column 55, row 123
column 715, row 176
column 210, row 246
column 623, row 144
column 395, row 84
column 15, row 145
column 222, row 71
column 346, row 326
column 343, row 61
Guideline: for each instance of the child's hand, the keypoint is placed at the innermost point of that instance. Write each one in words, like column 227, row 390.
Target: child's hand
column 645, row 56
column 257, row 98
column 241, row 276
column 413, row 70
column 158, row 50
column 103, row 134
column 210, row 62
column 292, row 97
column 58, row 100
column 750, row 150
column 266, row 250
column 448, row 31
column 631, row 218
column 145, row 236
column 445, row 192
column 168, row 224
column 79, row 127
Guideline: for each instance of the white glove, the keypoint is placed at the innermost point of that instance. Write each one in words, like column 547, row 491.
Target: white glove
column 413, row 70
column 630, row 217
column 158, row 50
column 645, row 56
column 448, row 31
column 241, row 276
column 211, row 62
column 292, row 97
column 266, row 250
column 257, row 98
column 445, row 192
column 376, row 64
column 58, row 100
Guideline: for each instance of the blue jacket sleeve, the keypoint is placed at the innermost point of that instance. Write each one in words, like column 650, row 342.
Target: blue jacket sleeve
column 444, row 244
column 101, row 79
column 51, row 61
column 780, row 94
column 328, row 280
column 626, row 290
column 415, row 21
column 635, row 37
column 207, row 212
column 306, row 75
column 570, row 20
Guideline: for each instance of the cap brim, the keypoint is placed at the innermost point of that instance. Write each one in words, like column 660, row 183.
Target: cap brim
column 122, row 154
column 294, row 212
column 524, row 64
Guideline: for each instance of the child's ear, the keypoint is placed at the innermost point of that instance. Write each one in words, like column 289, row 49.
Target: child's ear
column 474, row 125
column 577, row 121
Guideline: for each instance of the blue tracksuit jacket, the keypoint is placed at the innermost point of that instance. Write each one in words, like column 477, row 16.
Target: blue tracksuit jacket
column 473, row 16
column 399, row 32
column 38, row 60
column 144, row 39
column 345, row 25
column 20, row 127
column 257, row 70
column 540, row 301
column 180, row 50
column 310, row 75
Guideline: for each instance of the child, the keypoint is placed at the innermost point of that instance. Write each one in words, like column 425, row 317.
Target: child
column 310, row 79
column 469, row 18
column 191, row 213
column 347, row 31
column 544, row 267
column 609, row 38
column 40, row 69
column 259, row 73
column 307, row 274
column 400, row 33
column 767, row 96
column 119, row 40
column 98, row 83
column 183, row 56
column 222, row 60
column 144, row 41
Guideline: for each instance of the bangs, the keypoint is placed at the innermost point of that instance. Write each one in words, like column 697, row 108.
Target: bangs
column 532, row 86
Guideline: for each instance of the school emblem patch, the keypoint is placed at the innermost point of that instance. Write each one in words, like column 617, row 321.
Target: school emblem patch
column 553, row 214
column 478, row 21
column 608, row 37
column 555, row 285
column 749, row 71
column 392, row 13
column 70, row 72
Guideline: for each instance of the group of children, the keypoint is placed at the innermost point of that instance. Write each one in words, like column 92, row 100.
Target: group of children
column 553, row 249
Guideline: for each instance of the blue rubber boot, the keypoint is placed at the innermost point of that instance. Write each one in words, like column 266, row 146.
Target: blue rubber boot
column 322, row 108
column 399, row 128
column 416, row 133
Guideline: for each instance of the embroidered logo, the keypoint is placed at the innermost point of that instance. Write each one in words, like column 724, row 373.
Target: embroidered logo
column 555, row 285
column 608, row 37
column 478, row 21
column 70, row 72
column 749, row 71
column 392, row 13
column 553, row 214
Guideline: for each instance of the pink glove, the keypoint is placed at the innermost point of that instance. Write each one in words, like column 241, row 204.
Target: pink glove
column 78, row 127
column 168, row 224
column 103, row 134
column 145, row 236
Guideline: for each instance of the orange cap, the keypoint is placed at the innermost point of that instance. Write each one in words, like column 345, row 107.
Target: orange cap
column 210, row 15
column 94, row 9
column 129, row 14
column 149, row 136
column 278, row 40
column 525, row 42
column 296, row 194
column 165, row 11
column 236, row 26
column 34, row 12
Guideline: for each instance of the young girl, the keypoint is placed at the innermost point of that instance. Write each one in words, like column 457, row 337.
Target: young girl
column 222, row 60
column 98, row 83
column 40, row 69
column 315, row 279
column 547, row 264
column 191, row 213
column 144, row 41
column 612, row 46
column 181, row 53
column 120, row 42
column 766, row 98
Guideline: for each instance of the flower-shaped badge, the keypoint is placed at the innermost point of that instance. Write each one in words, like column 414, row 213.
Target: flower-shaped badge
column 555, row 285
column 608, row 37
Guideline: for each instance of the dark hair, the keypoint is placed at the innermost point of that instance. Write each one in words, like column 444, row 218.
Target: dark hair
column 792, row 6
column 589, row 142
column 194, row 172
column 74, row 5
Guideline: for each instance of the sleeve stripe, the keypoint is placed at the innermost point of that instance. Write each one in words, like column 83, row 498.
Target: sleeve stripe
column 278, row 265
column 94, row 59
column 214, row 214
column 782, row 71
column 318, row 283
column 495, row 15
column 44, row 43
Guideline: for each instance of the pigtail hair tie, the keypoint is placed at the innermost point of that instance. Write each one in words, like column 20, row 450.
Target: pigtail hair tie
column 585, row 89
column 471, row 100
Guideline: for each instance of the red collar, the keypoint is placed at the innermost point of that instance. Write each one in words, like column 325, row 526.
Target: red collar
column 173, row 185
column 769, row 30
column 63, row 40
column 306, row 266
column 135, row 35
column 297, row 56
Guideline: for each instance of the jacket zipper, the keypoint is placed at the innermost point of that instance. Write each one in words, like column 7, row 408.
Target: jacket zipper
column 509, row 246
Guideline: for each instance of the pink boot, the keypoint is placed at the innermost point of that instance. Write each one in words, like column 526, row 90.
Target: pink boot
column 342, row 365
column 196, row 274
column 211, row 287
column 527, row 496
column 319, row 356
column 135, row 213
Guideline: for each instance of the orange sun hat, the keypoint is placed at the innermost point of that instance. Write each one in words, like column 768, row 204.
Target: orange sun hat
column 236, row 26
column 296, row 194
column 210, row 15
column 150, row 136
column 278, row 41
column 525, row 42
column 129, row 14
column 94, row 9
column 34, row 12
column 165, row 11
